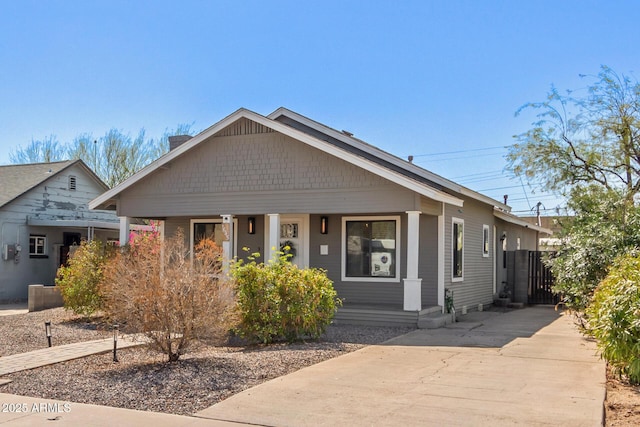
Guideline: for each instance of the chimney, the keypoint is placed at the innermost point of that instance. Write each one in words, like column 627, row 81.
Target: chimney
column 178, row 140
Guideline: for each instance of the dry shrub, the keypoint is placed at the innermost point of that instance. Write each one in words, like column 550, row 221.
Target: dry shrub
column 155, row 288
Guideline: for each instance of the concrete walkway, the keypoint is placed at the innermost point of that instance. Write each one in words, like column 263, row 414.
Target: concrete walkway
column 529, row 367
column 11, row 309
column 60, row 353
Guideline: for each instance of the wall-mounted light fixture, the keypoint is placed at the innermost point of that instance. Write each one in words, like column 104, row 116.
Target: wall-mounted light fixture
column 251, row 229
column 324, row 225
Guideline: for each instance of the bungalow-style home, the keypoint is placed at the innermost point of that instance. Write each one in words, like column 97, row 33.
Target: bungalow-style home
column 391, row 235
column 43, row 214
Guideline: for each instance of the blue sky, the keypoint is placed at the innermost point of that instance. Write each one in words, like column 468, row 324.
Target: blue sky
column 439, row 80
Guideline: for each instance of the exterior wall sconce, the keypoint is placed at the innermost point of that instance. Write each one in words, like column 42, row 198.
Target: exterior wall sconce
column 251, row 229
column 324, row 225
column 47, row 330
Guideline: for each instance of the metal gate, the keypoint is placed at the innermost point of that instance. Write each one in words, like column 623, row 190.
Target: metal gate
column 540, row 281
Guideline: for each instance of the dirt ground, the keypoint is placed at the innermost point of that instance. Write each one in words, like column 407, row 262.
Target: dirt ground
column 622, row 407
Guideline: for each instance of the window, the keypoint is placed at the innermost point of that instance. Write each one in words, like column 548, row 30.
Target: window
column 212, row 229
column 37, row 245
column 457, row 249
column 72, row 182
column 371, row 248
column 485, row 241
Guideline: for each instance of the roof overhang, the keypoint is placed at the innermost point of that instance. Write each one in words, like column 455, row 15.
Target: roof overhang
column 83, row 223
column 512, row 219
column 110, row 197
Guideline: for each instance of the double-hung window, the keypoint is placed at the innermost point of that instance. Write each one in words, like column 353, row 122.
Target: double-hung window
column 457, row 246
column 371, row 248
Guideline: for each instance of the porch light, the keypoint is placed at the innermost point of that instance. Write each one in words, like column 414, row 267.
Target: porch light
column 115, row 342
column 47, row 330
column 324, row 225
column 252, row 225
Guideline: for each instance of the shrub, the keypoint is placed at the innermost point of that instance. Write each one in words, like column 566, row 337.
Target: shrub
column 155, row 288
column 79, row 280
column 614, row 317
column 279, row 301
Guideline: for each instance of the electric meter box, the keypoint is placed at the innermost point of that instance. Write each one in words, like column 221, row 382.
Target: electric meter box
column 8, row 252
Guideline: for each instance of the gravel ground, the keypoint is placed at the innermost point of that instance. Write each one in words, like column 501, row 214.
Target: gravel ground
column 143, row 380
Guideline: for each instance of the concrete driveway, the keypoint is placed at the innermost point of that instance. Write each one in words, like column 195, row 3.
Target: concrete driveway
column 529, row 367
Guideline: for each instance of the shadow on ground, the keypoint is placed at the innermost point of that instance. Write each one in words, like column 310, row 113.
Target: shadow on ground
column 491, row 329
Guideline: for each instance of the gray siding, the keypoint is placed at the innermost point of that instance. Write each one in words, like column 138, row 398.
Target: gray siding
column 51, row 200
column 428, row 268
column 477, row 284
column 261, row 173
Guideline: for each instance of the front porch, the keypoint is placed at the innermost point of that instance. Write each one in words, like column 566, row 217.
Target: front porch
column 384, row 315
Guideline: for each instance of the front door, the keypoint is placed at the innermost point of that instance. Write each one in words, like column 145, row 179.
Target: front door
column 294, row 234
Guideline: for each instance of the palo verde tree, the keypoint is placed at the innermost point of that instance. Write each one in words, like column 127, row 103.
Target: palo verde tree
column 584, row 140
column 586, row 146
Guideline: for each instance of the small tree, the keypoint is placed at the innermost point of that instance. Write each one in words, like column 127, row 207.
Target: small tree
column 614, row 317
column 79, row 281
column 278, row 300
column 154, row 287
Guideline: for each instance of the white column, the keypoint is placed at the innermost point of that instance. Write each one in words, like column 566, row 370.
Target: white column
column 274, row 236
column 412, row 284
column 441, row 234
column 227, row 243
column 125, row 229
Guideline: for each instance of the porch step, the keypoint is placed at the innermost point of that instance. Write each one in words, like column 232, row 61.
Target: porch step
column 502, row 302
column 435, row 320
column 515, row 305
column 375, row 317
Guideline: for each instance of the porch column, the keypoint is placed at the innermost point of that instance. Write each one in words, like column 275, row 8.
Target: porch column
column 227, row 243
column 125, row 229
column 441, row 234
column 412, row 284
column 274, row 236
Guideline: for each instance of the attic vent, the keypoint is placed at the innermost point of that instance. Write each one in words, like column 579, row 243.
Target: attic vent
column 72, row 182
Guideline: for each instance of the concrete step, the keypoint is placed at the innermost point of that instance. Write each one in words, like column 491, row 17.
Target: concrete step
column 435, row 320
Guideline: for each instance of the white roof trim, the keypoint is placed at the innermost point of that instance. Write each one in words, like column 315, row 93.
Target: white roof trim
column 410, row 167
column 84, row 223
column 420, row 188
column 512, row 219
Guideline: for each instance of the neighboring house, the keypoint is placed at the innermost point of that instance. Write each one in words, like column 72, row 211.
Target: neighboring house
column 391, row 235
column 553, row 223
column 43, row 213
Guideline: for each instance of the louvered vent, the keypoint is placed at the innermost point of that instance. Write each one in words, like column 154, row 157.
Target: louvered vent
column 72, row 182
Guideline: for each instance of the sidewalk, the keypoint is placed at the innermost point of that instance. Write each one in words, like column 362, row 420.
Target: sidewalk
column 11, row 309
column 529, row 367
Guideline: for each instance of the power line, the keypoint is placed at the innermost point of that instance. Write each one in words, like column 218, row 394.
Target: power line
column 460, row 151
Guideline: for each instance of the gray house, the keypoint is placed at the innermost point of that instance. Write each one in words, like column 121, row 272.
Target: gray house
column 44, row 213
column 391, row 235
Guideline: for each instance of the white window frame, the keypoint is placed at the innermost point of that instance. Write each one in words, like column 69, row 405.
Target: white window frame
column 36, row 246
column 215, row 221
column 486, row 241
column 455, row 221
column 343, row 262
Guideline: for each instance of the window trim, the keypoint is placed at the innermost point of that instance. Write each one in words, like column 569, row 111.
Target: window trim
column 343, row 260
column 457, row 221
column 44, row 253
column 486, row 241
column 213, row 221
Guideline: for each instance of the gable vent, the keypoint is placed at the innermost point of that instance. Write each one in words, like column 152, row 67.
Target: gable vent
column 72, row 182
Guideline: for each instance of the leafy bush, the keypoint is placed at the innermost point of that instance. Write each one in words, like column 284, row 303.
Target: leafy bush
column 155, row 288
column 79, row 281
column 614, row 317
column 605, row 225
column 278, row 300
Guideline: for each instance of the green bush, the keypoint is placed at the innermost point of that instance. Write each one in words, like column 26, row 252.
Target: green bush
column 79, row 280
column 614, row 317
column 279, row 301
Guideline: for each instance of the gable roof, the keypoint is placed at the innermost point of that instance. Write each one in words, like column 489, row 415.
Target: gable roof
column 16, row 180
column 108, row 199
column 346, row 139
